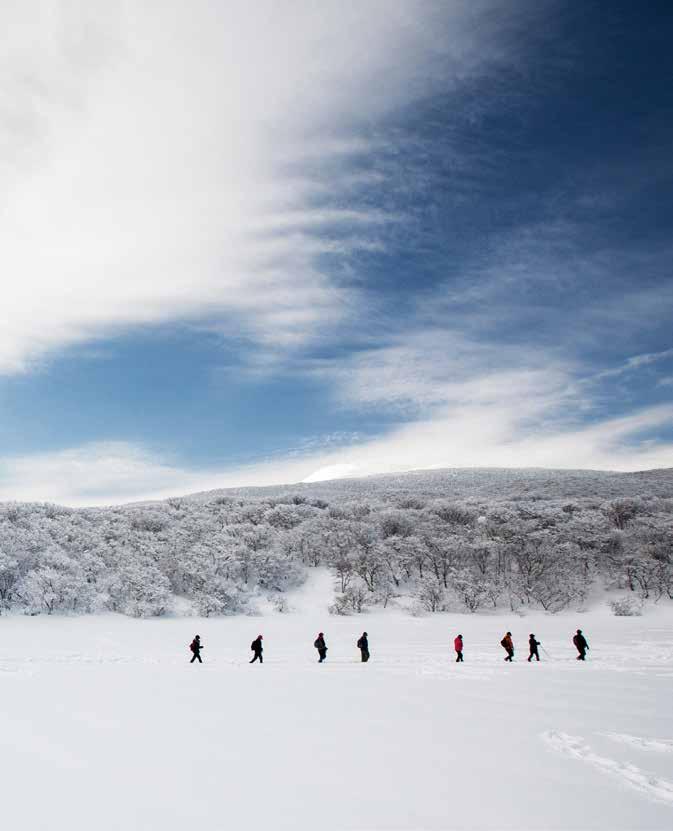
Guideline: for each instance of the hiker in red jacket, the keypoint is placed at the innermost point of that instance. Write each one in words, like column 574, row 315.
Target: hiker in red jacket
column 458, row 646
column 508, row 645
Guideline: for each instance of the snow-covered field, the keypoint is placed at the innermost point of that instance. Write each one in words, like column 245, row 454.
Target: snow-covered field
column 105, row 725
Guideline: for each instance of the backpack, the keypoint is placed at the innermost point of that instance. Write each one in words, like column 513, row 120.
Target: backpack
column 317, row 644
column 253, row 646
column 360, row 644
column 504, row 643
column 192, row 646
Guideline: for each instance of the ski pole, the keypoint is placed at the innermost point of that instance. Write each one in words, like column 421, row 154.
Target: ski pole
column 546, row 653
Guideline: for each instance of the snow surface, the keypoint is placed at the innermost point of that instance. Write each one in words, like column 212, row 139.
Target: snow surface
column 325, row 474
column 105, row 725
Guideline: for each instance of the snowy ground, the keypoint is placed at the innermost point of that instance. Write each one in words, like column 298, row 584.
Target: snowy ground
column 104, row 724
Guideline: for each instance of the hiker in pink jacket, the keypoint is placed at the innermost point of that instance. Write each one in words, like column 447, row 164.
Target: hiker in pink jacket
column 458, row 646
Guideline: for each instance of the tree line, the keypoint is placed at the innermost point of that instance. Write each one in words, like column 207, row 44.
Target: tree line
column 226, row 554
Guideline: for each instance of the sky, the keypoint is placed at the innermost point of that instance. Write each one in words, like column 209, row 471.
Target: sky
column 264, row 243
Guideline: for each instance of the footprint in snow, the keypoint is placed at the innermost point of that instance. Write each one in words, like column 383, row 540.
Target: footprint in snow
column 646, row 784
column 656, row 745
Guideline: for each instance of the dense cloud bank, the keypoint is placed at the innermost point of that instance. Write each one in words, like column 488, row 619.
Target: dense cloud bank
column 461, row 540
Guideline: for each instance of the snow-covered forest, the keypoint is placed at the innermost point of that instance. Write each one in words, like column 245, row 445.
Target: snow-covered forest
column 461, row 540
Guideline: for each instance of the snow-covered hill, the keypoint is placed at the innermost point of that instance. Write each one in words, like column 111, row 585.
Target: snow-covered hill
column 431, row 541
column 477, row 483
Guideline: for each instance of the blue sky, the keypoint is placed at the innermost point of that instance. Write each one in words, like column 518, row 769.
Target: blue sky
column 291, row 242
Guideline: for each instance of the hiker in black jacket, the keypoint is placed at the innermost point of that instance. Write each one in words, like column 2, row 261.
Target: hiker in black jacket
column 256, row 647
column 321, row 646
column 196, row 648
column 533, row 645
column 363, row 646
column 581, row 644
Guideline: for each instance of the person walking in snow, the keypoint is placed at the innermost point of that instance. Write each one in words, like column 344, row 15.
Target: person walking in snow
column 508, row 645
column 533, row 645
column 458, row 646
column 363, row 646
column 196, row 648
column 321, row 646
column 581, row 644
column 257, row 649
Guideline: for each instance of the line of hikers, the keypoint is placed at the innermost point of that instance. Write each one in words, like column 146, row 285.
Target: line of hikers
column 320, row 645
column 257, row 649
column 362, row 645
column 507, row 644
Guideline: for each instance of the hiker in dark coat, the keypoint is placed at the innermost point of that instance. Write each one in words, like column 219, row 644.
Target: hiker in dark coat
column 363, row 646
column 508, row 645
column 581, row 644
column 321, row 646
column 458, row 646
column 256, row 647
column 533, row 645
column 196, row 648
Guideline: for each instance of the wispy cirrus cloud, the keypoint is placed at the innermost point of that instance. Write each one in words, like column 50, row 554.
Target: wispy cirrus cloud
column 172, row 162
column 421, row 370
column 636, row 362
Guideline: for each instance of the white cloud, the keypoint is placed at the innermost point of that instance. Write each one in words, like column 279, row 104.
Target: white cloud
column 636, row 362
column 105, row 472
column 433, row 370
column 183, row 161
column 497, row 436
column 112, row 472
